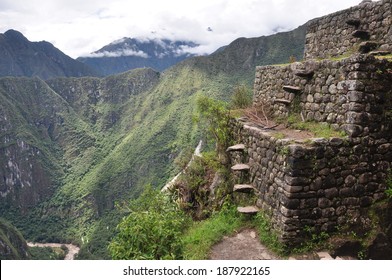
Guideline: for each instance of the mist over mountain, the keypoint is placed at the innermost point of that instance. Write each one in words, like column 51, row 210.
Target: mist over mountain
column 130, row 53
column 20, row 57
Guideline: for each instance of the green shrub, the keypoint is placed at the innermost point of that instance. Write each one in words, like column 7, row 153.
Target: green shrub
column 242, row 97
column 152, row 230
column 217, row 118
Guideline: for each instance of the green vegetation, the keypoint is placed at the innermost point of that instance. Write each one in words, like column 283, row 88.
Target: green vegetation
column 100, row 141
column 13, row 245
column 152, row 230
column 279, row 135
column 48, row 253
column 217, row 118
column 155, row 227
column 314, row 241
column 268, row 236
column 202, row 235
column 192, row 188
column 242, row 97
column 322, row 130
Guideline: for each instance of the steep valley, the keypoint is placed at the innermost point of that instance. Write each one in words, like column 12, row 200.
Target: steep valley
column 71, row 148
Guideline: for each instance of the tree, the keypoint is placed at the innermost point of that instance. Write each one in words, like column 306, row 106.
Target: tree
column 217, row 117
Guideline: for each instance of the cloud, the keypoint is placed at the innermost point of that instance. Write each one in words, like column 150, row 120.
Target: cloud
column 125, row 52
column 81, row 27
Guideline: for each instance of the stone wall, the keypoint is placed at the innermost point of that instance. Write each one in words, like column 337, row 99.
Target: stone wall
column 342, row 32
column 324, row 184
column 350, row 94
column 318, row 184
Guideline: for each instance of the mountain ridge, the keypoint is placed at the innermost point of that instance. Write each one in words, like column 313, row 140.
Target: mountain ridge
column 131, row 53
column 20, row 57
column 110, row 137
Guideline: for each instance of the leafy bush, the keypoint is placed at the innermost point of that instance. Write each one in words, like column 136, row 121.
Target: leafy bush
column 242, row 97
column 152, row 230
column 217, row 117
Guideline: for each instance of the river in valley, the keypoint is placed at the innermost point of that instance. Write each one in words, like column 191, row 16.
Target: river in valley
column 72, row 249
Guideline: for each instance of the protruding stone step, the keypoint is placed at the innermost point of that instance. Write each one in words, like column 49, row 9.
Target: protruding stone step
column 284, row 101
column 367, row 46
column 354, row 22
column 240, row 167
column 235, row 148
column 243, row 188
column 292, row 89
column 361, row 34
column 248, row 210
column 304, row 73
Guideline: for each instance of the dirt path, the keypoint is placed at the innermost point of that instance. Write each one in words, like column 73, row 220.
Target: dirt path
column 72, row 249
column 245, row 245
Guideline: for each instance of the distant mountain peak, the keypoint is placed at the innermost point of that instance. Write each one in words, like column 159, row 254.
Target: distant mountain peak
column 129, row 53
column 11, row 33
column 20, row 57
column 145, row 48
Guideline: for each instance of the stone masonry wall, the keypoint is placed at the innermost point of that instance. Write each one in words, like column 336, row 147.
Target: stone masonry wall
column 342, row 32
column 324, row 184
column 351, row 94
column 321, row 184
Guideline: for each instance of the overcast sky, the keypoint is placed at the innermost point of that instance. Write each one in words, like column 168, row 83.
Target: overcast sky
column 79, row 27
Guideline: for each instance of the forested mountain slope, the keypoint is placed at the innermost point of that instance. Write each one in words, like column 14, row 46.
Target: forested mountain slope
column 71, row 148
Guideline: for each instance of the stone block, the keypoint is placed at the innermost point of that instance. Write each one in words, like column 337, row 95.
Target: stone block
column 331, row 193
column 324, row 203
column 290, row 203
column 296, row 182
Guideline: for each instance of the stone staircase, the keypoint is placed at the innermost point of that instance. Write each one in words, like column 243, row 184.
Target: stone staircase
column 367, row 45
column 242, row 172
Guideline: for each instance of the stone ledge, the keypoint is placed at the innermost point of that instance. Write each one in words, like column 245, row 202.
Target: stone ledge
column 304, row 73
column 249, row 210
column 240, row 167
column 243, row 188
column 235, row 148
column 292, row 89
column 361, row 34
column 284, row 101
column 354, row 22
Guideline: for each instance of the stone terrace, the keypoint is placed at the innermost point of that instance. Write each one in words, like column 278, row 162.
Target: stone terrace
column 325, row 183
